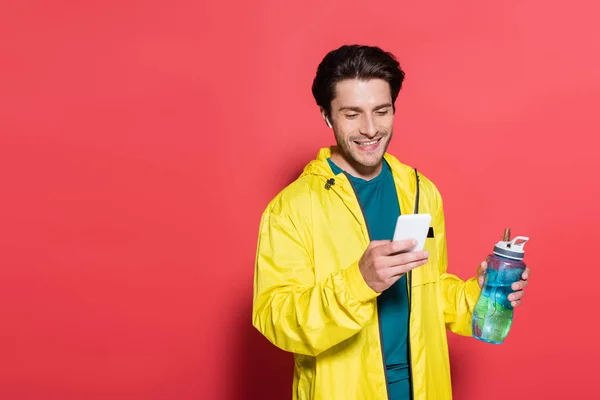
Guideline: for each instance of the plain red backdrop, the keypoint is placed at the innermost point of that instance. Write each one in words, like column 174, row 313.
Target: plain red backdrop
column 141, row 140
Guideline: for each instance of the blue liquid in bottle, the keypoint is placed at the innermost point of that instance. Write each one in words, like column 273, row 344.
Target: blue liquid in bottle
column 493, row 314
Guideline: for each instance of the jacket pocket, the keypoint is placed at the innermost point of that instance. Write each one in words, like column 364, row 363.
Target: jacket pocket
column 427, row 273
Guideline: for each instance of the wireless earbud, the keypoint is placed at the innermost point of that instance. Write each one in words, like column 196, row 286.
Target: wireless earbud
column 328, row 123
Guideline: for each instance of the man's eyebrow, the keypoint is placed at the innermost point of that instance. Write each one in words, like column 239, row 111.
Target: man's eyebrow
column 349, row 108
column 358, row 109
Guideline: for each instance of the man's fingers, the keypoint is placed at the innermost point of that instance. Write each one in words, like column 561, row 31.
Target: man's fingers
column 520, row 285
column 404, row 258
column 480, row 280
column 400, row 270
column 481, row 268
column 516, row 296
column 526, row 274
column 398, row 246
column 378, row 243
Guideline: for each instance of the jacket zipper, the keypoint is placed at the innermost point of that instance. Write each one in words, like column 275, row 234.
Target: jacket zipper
column 387, row 385
column 409, row 281
column 410, row 373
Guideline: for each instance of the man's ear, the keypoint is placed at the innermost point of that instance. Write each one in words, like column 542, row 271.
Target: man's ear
column 324, row 115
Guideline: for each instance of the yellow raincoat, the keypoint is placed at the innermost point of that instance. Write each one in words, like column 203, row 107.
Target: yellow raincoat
column 311, row 299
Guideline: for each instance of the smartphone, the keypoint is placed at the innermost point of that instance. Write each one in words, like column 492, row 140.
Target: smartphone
column 413, row 226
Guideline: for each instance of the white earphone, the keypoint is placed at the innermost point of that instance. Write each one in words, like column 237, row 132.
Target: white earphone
column 328, row 123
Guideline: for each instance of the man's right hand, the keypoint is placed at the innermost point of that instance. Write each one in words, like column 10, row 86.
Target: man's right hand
column 385, row 261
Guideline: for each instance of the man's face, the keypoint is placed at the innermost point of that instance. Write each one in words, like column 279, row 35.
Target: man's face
column 363, row 121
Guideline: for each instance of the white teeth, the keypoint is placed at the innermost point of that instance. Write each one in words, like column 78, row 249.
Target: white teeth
column 369, row 143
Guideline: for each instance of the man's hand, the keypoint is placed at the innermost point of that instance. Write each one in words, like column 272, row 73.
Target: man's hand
column 385, row 261
column 515, row 297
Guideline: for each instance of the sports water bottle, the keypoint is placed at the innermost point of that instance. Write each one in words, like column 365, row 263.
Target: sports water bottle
column 493, row 313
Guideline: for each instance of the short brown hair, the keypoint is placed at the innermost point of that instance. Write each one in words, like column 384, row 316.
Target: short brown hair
column 355, row 62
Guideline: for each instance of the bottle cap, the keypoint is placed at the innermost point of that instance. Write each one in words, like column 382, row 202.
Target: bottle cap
column 511, row 248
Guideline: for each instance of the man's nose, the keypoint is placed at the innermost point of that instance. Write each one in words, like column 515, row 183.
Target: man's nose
column 368, row 127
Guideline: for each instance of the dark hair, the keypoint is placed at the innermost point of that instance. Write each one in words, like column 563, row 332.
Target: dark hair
column 355, row 62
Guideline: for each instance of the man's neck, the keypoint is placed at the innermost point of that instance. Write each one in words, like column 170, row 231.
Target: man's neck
column 355, row 169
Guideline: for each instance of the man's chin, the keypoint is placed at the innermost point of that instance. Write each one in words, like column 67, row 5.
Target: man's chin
column 369, row 160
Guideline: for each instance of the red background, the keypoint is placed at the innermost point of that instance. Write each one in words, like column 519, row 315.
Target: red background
column 141, row 140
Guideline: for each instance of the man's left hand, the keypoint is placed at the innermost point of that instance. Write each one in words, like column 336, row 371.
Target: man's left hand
column 516, row 297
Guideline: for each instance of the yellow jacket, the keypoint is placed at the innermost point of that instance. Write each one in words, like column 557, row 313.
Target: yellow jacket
column 311, row 299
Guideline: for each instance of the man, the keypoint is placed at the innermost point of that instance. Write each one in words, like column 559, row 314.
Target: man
column 365, row 317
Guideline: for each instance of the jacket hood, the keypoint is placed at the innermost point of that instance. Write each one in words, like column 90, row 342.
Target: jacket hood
column 404, row 177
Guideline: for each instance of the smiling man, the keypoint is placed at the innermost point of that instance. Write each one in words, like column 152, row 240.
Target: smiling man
column 365, row 317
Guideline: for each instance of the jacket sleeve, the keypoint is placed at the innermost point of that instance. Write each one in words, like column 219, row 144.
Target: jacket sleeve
column 293, row 311
column 458, row 297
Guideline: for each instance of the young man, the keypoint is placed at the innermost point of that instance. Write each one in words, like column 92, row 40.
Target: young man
column 365, row 317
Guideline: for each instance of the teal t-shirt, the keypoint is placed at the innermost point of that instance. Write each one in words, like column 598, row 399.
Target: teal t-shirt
column 379, row 202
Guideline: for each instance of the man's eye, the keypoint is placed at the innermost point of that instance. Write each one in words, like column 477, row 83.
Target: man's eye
column 384, row 112
column 351, row 116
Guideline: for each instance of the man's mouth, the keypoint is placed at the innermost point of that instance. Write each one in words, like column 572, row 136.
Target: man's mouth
column 368, row 145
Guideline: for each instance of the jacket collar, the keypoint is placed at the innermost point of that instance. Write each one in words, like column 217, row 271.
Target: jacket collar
column 404, row 176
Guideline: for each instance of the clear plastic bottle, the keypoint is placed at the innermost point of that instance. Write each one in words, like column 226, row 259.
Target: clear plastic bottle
column 493, row 315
